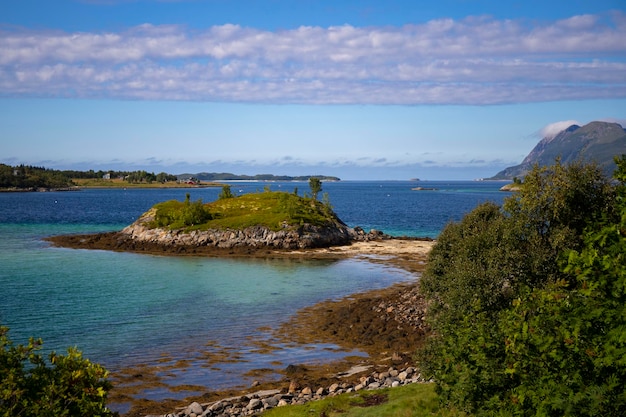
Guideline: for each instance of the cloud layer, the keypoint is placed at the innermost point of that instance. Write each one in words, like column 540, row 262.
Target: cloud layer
column 477, row 60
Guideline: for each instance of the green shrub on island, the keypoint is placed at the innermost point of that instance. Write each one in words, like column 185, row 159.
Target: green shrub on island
column 63, row 385
column 527, row 301
column 174, row 214
column 272, row 209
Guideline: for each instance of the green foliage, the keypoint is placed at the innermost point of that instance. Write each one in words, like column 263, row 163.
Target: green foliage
column 469, row 281
column 491, row 258
column 326, row 201
column 226, row 192
column 141, row 176
column 275, row 210
column 315, row 184
column 29, row 177
column 164, row 177
column 272, row 209
column 65, row 385
column 26, row 177
column 566, row 343
column 176, row 215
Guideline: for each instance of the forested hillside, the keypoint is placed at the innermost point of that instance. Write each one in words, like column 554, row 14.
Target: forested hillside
column 29, row 177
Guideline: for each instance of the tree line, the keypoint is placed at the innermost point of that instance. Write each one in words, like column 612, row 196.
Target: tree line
column 33, row 177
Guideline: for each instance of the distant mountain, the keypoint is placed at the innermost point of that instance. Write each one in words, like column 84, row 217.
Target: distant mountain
column 226, row 176
column 597, row 142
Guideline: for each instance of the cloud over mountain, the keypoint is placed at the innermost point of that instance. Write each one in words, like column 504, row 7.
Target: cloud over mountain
column 554, row 129
column 476, row 60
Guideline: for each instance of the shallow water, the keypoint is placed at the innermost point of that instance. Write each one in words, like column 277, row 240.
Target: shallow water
column 125, row 309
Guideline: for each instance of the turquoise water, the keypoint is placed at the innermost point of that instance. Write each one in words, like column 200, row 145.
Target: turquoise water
column 125, row 309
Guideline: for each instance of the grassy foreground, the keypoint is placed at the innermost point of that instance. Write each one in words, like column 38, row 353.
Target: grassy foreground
column 414, row 400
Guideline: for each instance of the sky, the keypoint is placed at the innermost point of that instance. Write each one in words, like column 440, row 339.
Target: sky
column 362, row 90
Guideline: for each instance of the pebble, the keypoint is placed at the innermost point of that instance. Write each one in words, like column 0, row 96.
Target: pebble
column 255, row 403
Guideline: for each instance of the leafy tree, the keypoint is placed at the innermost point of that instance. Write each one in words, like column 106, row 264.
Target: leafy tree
column 480, row 265
column 163, row 177
column 315, row 184
column 65, row 385
column 225, row 193
column 566, row 342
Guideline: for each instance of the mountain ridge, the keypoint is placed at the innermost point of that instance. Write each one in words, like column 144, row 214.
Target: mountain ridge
column 596, row 141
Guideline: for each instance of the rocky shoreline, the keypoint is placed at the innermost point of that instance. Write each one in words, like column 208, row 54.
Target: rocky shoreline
column 386, row 324
column 255, row 402
column 141, row 237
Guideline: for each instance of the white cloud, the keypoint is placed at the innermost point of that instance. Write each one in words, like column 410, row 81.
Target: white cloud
column 554, row 129
column 477, row 60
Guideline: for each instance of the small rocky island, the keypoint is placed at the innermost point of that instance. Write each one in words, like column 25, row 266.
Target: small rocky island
column 386, row 324
column 245, row 224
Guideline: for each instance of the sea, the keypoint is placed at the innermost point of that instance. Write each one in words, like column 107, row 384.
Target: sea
column 198, row 321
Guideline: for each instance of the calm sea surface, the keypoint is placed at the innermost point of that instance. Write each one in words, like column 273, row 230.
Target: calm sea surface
column 125, row 309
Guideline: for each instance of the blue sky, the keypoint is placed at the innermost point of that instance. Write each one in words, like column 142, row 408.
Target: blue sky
column 358, row 89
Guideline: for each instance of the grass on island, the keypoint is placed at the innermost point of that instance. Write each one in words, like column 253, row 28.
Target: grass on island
column 271, row 209
column 414, row 400
column 121, row 183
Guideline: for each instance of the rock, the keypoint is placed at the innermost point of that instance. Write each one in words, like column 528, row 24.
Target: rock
column 270, row 402
column 254, row 404
column 293, row 387
column 218, row 406
column 301, row 237
column 194, row 408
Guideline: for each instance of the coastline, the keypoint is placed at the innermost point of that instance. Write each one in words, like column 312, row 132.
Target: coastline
column 385, row 324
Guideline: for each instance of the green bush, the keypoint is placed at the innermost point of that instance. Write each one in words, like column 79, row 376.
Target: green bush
column 480, row 277
column 177, row 215
column 566, row 343
column 226, row 192
column 315, row 184
column 65, row 385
